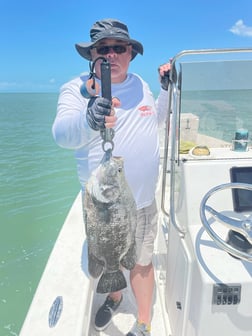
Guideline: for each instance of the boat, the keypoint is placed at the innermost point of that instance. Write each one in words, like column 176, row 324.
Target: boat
column 203, row 251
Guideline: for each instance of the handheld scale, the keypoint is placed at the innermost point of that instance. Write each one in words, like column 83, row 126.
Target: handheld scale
column 107, row 134
column 91, row 88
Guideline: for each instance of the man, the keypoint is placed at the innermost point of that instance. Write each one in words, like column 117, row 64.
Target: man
column 135, row 118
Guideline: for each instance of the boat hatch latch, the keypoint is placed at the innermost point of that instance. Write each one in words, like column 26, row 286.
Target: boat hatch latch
column 224, row 294
column 55, row 311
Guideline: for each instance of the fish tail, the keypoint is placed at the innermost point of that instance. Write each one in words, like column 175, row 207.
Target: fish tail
column 111, row 282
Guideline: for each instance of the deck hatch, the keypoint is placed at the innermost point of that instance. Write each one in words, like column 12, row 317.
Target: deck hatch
column 224, row 294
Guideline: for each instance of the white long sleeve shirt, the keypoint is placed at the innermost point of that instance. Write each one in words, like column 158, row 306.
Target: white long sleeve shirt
column 136, row 133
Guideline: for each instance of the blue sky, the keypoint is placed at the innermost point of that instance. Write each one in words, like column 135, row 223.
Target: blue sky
column 37, row 37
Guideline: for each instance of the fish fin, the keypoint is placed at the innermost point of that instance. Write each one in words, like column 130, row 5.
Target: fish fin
column 111, row 282
column 95, row 266
column 129, row 259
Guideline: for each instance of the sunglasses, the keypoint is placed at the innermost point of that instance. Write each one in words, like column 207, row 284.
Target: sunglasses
column 118, row 49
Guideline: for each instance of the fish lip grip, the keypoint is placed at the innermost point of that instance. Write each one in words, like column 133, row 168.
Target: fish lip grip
column 91, row 89
column 107, row 134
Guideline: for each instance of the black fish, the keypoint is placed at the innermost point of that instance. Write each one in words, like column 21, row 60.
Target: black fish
column 110, row 221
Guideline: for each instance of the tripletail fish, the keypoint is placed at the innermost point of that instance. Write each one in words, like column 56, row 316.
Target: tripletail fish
column 110, row 223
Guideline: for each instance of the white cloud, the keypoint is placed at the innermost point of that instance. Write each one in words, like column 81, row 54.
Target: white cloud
column 28, row 86
column 239, row 28
column 7, row 85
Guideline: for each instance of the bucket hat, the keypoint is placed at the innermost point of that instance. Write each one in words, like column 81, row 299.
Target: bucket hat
column 112, row 29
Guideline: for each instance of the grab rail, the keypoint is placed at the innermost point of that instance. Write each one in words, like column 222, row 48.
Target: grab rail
column 166, row 148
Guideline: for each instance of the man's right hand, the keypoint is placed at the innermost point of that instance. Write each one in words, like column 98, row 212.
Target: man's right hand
column 98, row 110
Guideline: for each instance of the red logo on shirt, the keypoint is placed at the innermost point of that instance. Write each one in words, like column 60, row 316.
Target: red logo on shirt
column 145, row 110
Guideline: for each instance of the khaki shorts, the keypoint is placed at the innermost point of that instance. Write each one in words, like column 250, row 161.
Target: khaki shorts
column 146, row 233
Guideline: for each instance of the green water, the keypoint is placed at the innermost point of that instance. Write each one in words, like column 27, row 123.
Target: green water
column 38, row 184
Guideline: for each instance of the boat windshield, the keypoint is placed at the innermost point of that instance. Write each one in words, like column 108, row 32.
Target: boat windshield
column 213, row 102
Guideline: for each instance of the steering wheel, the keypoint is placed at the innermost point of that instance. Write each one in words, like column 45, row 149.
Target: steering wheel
column 243, row 227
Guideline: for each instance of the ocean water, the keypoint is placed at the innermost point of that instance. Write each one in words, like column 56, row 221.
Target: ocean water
column 220, row 112
column 38, row 184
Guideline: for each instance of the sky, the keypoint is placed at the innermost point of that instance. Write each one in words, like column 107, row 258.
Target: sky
column 37, row 38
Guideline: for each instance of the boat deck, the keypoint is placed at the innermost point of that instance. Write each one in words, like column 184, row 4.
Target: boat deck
column 80, row 302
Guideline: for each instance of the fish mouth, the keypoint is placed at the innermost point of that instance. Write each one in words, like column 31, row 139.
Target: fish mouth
column 117, row 158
